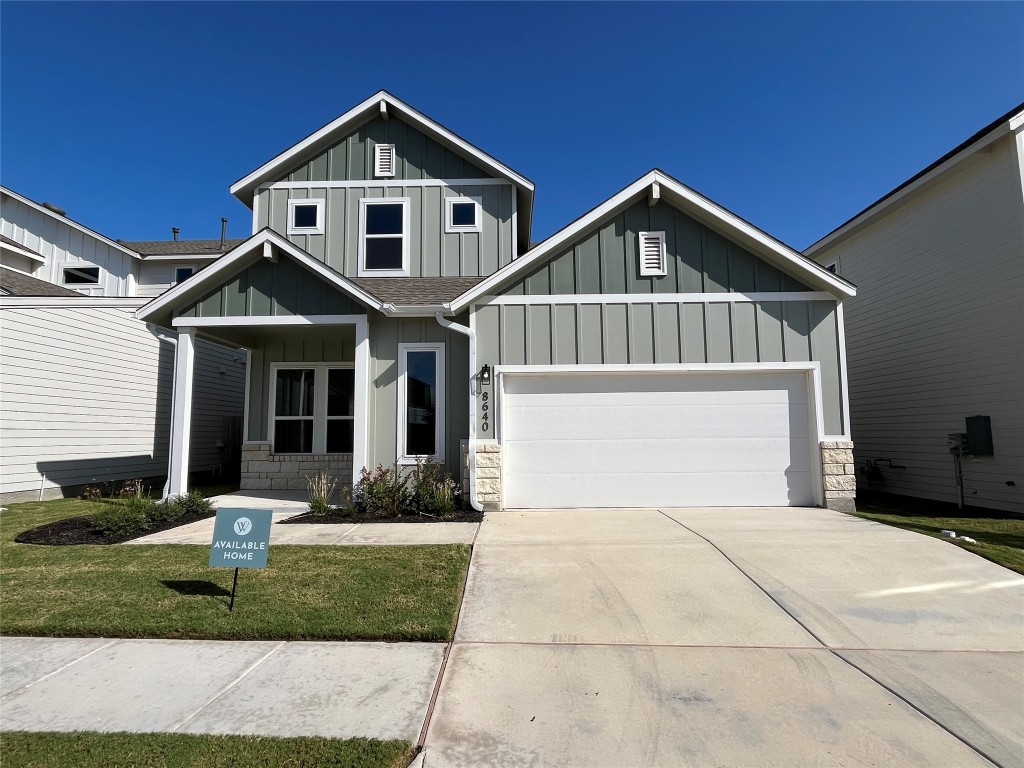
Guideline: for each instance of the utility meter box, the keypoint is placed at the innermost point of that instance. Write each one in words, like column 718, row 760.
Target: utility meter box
column 979, row 435
column 957, row 442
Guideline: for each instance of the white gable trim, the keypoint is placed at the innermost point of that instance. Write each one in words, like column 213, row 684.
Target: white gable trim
column 21, row 250
column 244, row 187
column 70, row 223
column 200, row 283
column 685, row 198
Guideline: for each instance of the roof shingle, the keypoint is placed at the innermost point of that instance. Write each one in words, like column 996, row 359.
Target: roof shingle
column 416, row 291
column 17, row 284
column 181, row 247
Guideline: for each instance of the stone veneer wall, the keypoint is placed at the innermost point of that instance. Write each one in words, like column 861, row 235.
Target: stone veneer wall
column 838, row 475
column 263, row 471
column 488, row 475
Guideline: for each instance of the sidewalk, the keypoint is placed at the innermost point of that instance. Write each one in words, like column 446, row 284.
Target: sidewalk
column 336, row 690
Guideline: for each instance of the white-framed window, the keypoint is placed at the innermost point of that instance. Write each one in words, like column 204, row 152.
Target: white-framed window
column 420, row 402
column 306, row 217
column 384, row 237
column 181, row 274
column 462, row 214
column 653, row 261
column 79, row 274
column 384, row 160
column 312, row 408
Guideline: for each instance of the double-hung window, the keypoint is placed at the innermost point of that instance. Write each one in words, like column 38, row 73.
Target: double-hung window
column 312, row 408
column 384, row 237
column 420, row 402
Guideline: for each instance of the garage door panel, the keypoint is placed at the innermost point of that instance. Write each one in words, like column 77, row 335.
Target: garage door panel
column 653, row 439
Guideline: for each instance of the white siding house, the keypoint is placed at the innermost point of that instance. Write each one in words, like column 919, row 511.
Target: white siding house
column 936, row 332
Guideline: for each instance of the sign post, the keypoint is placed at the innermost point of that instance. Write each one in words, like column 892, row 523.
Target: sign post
column 241, row 539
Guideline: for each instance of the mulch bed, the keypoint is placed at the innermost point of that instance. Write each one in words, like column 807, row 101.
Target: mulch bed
column 361, row 517
column 79, row 530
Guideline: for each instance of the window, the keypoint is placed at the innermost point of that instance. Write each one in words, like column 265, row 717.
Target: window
column 652, row 254
column 181, row 274
column 384, row 160
column 420, row 402
column 306, row 217
column 84, row 275
column 462, row 214
column 383, row 240
column 313, row 409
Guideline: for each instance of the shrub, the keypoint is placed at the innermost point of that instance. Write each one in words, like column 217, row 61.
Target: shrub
column 193, row 503
column 383, row 492
column 91, row 493
column 320, row 488
column 434, row 492
column 132, row 489
column 125, row 518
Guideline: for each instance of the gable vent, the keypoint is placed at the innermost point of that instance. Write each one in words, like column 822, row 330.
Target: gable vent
column 384, row 160
column 652, row 254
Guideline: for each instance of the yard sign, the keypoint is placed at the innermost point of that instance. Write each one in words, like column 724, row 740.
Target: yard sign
column 241, row 539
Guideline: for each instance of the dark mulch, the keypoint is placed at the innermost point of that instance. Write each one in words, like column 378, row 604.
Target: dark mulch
column 361, row 517
column 79, row 530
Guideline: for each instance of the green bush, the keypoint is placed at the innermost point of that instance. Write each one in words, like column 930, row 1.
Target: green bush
column 129, row 517
column 320, row 487
column 383, row 492
column 193, row 503
column 434, row 492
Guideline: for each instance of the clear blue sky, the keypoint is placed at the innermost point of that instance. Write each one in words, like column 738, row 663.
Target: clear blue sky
column 136, row 117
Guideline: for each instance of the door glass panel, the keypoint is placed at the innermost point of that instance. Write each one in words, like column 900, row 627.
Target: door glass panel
column 421, row 403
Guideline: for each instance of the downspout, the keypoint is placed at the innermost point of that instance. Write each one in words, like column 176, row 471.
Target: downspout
column 452, row 326
column 173, row 341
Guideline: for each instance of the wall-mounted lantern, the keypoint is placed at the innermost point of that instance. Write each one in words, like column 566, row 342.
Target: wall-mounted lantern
column 485, row 375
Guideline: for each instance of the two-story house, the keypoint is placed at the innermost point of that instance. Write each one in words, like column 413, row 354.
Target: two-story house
column 85, row 387
column 657, row 351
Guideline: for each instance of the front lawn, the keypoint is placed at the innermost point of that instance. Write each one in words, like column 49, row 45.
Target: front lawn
column 176, row 750
column 1000, row 536
column 167, row 591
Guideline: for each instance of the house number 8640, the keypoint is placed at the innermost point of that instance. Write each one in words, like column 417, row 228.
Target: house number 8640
column 485, row 426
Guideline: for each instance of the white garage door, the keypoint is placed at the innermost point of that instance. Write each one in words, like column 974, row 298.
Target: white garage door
column 656, row 440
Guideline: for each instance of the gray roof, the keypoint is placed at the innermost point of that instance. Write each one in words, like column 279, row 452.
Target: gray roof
column 416, row 291
column 180, row 247
column 16, row 244
column 18, row 284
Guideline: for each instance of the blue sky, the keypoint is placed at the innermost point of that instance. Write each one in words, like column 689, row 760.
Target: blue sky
column 136, row 117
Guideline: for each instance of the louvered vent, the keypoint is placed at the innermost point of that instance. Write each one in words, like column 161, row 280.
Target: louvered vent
column 384, row 160
column 652, row 254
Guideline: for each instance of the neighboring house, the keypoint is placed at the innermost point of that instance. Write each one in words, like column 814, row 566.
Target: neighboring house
column 936, row 335
column 85, row 387
column 658, row 351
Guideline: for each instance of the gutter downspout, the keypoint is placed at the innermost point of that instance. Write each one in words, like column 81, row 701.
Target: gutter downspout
column 452, row 326
column 173, row 341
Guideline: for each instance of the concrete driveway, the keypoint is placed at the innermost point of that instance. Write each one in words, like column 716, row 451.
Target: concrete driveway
column 733, row 637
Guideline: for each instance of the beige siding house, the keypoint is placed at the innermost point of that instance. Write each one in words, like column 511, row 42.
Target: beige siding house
column 936, row 332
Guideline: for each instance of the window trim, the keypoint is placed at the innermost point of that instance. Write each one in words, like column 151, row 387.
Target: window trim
column 646, row 271
column 183, row 266
column 449, row 203
column 364, row 203
column 64, row 265
column 319, row 417
column 318, row 202
column 439, row 418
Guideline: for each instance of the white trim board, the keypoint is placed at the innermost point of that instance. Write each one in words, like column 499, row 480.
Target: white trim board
column 655, row 298
column 26, row 302
column 385, row 183
column 183, row 257
column 685, row 199
column 252, row 321
column 21, row 250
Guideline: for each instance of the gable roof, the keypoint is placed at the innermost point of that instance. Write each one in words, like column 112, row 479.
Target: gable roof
column 14, row 246
column 416, row 291
column 657, row 184
column 70, row 222
column 1001, row 126
column 14, row 283
column 209, row 249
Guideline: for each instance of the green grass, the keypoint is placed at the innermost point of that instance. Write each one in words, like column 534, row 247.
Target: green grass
column 1000, row 538
column 176, row 750
column 167, row 591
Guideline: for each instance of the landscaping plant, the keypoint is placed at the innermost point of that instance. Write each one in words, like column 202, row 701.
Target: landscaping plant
column 383, row 492
column 434, row 492
column 128, row 517
column 320, row 488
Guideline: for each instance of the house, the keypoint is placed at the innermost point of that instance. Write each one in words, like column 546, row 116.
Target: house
column 85, row 388
column 936, row 336
column 659, row 350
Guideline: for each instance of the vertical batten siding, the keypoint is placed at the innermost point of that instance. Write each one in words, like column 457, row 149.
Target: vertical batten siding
column 62, row 245
column 85, row 393
column 936, row 332
column 667, row 332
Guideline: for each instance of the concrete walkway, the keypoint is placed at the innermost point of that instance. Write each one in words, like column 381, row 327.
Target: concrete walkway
column 740, row 637
column 339, row 690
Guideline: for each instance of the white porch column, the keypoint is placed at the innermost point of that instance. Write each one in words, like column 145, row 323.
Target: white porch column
column 181, row 412
column 361, row 396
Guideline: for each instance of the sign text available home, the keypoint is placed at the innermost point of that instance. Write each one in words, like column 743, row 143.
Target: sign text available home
column 241, row 538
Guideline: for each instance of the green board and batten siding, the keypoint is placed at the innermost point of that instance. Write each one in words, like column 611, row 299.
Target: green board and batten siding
column 700, row 260
column 269, row 289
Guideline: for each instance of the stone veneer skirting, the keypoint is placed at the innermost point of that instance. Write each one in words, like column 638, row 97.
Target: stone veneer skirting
column 488, row 475
column 838, row 475
column 264, row 471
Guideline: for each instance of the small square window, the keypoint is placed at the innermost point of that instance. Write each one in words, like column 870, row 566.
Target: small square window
column 306, row 217
column 181, row 274
column 462, row 214
column 80, row 275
